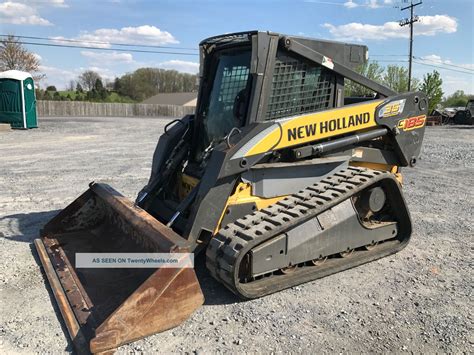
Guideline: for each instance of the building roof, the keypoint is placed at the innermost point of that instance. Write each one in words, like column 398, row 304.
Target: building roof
column 173, row 98
column 15, row 74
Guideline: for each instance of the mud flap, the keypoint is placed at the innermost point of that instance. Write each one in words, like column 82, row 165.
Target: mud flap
column 105, row 308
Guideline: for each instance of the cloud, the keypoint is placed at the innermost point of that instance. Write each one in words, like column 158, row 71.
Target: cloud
column 20, row 14
column 350, row 4
column 57, row 3
column 431, row 25
column 110, row 58
column 435, row 58
column 180, row 65
column 57, row 76
column 53, row 3
column 372, row 4
column 427, row 26
column 146, row 34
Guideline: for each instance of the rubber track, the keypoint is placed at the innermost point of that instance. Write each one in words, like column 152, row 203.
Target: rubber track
column 227, row 248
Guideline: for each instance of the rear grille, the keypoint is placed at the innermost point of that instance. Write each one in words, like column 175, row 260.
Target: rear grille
column 299, row 87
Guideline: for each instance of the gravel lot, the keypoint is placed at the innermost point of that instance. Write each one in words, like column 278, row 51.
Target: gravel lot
column 419, row 300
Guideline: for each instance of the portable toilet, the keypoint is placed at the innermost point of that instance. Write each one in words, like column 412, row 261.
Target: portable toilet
column 17, row 99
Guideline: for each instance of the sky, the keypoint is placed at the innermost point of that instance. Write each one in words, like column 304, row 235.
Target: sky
column 443, row 35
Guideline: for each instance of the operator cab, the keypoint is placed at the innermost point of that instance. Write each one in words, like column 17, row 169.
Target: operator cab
column 251, row 77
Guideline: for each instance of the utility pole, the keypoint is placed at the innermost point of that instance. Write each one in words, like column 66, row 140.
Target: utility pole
column 410, row 21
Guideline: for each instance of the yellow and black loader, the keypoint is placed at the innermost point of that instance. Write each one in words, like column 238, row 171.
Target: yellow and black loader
column 278, row 178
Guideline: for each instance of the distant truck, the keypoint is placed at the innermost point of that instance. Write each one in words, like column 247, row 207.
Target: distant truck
column 466, row 115
column 463, row 115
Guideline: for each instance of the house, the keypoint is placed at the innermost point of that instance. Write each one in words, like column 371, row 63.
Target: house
column 173, row 98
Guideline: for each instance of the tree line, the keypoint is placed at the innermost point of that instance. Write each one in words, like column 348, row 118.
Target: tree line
column 132, row 87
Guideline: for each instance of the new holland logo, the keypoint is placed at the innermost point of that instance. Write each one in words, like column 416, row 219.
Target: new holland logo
column 334, row 124
column 392, row 109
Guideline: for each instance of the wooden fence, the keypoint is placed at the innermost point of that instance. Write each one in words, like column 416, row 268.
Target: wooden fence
column 99, row 109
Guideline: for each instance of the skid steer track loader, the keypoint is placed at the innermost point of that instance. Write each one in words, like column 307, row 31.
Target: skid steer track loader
column 278, row 178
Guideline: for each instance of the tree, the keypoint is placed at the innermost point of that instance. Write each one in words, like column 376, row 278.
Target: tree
column 51, row 88
column 92, row 95
column 396, row 78
column 431, row 86
column 56, row 96
column 71, row 85
column 79, row 88
column 373, row 71
column 457, row 99
column 13, row 56
column 47, row 95
column 100, row 90
column 88, row 79
column 146, row 82
column 98, row 84
column 116, row 86
column 39, row 94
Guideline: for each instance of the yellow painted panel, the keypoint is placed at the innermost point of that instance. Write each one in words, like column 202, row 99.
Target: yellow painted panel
column 317, row 126
column 243, row 194
column 382, row 167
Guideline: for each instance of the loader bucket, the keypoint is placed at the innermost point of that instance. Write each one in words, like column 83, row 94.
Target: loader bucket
column 104, row 308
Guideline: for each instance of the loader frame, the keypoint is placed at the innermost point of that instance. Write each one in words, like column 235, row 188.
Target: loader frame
column 223, row 169
column 250, row 168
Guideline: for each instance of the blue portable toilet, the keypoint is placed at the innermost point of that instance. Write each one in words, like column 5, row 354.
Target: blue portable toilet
column 17, row 99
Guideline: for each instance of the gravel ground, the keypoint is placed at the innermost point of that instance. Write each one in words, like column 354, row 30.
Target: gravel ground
column 419, row 300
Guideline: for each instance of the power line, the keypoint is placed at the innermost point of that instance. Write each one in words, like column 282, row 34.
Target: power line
column 465, row 70
column 390, row 61
column 419, row 58
column 99, row 42
column 388, row 55
column 441, row 63
column 100, row 49
column 437, row 66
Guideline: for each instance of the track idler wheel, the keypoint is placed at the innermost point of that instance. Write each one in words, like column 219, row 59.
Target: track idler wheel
column 371, row 201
